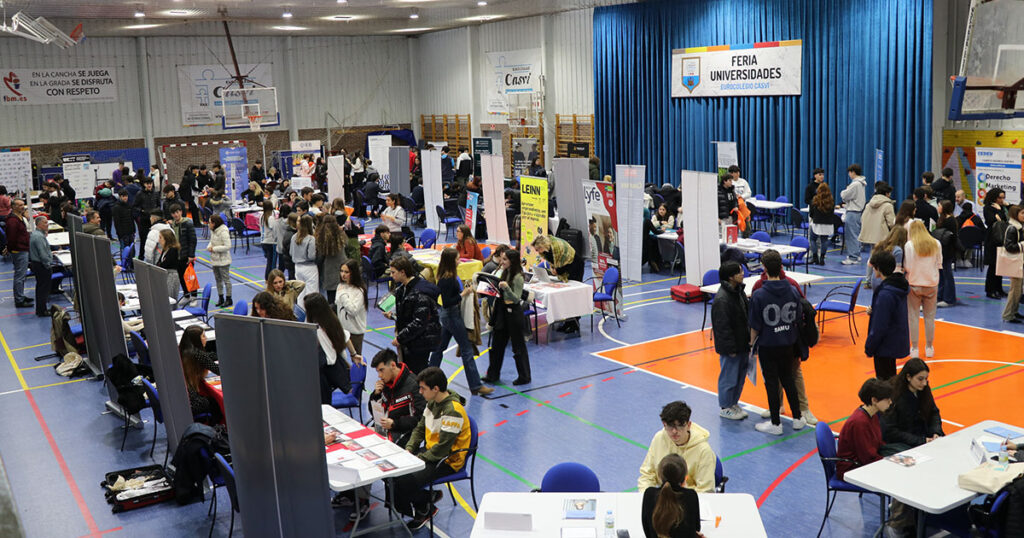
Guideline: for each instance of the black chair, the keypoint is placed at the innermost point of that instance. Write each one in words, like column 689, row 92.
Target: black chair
column 228, row 474
column 839, row 232
column 972, row 238
column 240, row 231
column 798, row 221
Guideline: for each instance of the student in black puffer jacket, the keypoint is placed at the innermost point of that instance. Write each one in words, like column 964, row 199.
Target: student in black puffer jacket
column 729, row 323
column 726, row 199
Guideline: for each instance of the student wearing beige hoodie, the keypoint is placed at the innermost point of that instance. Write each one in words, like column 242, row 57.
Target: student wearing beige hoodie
column 876, row 220
column 220, row 259
column 680, row 436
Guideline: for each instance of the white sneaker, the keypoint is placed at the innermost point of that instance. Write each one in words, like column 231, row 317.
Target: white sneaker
column 929, row 352
column 942, row 304
column 730, row 414
column 913, row 353
column 848, row 261
column 768, row 414
column 741, row 411
column 809, row 418
column 798, row 423
column 769, row 428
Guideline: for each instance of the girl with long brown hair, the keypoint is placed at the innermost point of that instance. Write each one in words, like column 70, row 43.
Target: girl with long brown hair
column 303, row 252
column 671, row 510
column 330, row 253
column 822, row 215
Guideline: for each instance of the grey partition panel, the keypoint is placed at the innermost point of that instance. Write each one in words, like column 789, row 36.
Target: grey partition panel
column 569, row 175
column 163, row 350
column 100, row 303
column 84, row 261
column 398, row 167
column 270, row 376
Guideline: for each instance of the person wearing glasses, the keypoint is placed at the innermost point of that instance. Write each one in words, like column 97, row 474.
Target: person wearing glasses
column 679, row 435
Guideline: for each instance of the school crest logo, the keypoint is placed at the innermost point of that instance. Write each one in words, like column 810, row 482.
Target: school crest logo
column 691, row 73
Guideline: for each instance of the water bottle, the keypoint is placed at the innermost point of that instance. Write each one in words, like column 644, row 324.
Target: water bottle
column 1004, row 456
column 609, row 524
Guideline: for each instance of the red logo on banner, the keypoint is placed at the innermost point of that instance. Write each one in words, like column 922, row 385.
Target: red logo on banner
column 13, row 83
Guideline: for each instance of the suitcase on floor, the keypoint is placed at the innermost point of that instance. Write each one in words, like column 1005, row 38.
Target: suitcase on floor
column 686, row 293
column 156, row 488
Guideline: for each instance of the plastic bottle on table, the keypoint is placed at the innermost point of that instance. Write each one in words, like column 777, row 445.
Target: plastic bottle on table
column 609, row 524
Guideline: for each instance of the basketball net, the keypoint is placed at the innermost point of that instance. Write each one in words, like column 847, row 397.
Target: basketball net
column 254, row 122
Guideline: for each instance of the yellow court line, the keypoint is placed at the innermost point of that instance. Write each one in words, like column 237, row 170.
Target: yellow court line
column 60, row 383
column 650, row 282
column 14, row 364
column 646, row 300
column 232, row 272
column 463, row 367
column 461, row 501
column 30, row 347
column 51, row 365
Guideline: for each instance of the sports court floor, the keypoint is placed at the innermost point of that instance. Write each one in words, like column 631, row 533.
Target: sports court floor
column 595, row 399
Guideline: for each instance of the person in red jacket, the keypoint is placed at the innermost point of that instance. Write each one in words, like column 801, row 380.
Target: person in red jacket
column 861, row 437
column 17, row 244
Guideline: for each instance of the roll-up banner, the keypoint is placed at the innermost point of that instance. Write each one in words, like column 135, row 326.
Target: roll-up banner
column 533, row 214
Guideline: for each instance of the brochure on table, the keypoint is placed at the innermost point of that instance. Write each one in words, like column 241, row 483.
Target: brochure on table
column 359, row 455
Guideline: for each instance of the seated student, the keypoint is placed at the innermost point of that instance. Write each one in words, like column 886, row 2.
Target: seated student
column 443, row 430
column 680, row 436
column 493, row 263
column 128, row 326
column 861, row 437
column 467, row 246
column 194, row 340
column 265, row 305
column 205, row 408
column 671, row 509
column 286, row 291
column 379, row 250
column 218, row 203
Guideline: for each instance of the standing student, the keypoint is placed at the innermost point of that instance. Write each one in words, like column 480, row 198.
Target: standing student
column 352, row 302
column 822, row 215
column 671, row 509
column 773, row 315
column 40, row 258
column 332, row 340
column 156, row 225
column 507, row 320
column 726, row 200
column 888, row 330
column 220, row 259
column 18, row 238
column 924, row 208
column 286, row 223
column 452, row 325
column 124, row 224
column 876, row 220
column 817, row 178
column 740, row 185
column 994, row 211
column 169, row 258
column 186, row 234
column 415, row 315
column 893, row 244
column 303, row 254
column 861, row 437
column 905, row 214
column 729, row 315
column 565, row 264
column 330, row 254
column 922, row 258
column 1013, row 242
column 268, row 237
column 948, row 233
column 853, row 197
column 145, row 201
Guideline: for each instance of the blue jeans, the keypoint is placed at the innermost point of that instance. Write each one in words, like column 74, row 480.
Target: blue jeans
column 270, row 253
column 819, row 245
column 20, row 260
column 730, row 380
column 947, row 286
column 852, row 227
column 453, row 326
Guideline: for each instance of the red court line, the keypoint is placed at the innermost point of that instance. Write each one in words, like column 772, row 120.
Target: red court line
column 773, row 485
column 585, row 387
column 501, row 423
column 1015, row 372
column 523, row 412
column 564, row 395
column 628, row 372
column 607, row 379
column 101, row 533
column 79, row 500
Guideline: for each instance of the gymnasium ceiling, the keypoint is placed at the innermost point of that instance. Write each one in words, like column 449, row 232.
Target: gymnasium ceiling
column 266, row 17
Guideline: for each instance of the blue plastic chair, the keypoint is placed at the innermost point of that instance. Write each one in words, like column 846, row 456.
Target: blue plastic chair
column 158, row 415
column 447, row 221
column 609, row 283
column 794, row 259
column 141, row 347
column 760, row 197
column 240, row 231
column 570, row 477
column 833, row 485
column 834, row 302
column 428, row 238
column 354, row 397
column 300, row 314
column 204, row 303
column 710, row 277
column 228, row 474
column 469, row 463
column 486, row 252
column 241, row 308
column 720, row 478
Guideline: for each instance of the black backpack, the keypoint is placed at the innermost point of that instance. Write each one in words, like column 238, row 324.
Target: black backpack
column 1010, row 518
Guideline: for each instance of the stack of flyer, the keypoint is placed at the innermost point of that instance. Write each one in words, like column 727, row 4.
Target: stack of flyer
column 359, row 455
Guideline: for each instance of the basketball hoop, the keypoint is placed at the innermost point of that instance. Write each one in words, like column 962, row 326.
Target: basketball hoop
column 254, row 122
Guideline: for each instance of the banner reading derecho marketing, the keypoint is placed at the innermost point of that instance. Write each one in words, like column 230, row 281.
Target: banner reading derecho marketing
column 201, row 88
column 28, row 86
column 771, row 68
column 999, row 167
column 533, row 204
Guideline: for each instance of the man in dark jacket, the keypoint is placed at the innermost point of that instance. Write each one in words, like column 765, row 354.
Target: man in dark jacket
column 186, row 189
column 186, row 233
column 66, row 188
column 888, row 328
column 379, row 250
column 18, row 246
column 258, row 174
column 170, row 198
column 729, row 315
column 398, row 393
column 145, row 201
column 416, row 322
column 124, row 225
column 774, row 312
column 943, row 187
column 812, row 187
column 923, row 209
column 726, row 199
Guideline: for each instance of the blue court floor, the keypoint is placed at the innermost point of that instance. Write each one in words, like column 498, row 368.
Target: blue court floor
column 56, row 443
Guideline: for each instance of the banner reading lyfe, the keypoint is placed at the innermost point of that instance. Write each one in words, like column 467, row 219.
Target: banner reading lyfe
column 603, row 229
column 999, row 167
column 58, row 86
column 771, row 68
column 533, row 203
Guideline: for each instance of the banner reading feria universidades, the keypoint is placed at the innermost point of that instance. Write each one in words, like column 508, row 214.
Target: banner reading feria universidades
column 769, row 68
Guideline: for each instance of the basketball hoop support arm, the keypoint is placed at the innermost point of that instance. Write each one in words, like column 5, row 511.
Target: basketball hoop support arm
column 234, row 60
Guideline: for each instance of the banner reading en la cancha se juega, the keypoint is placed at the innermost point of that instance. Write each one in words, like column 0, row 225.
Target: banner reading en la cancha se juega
column 533, row 217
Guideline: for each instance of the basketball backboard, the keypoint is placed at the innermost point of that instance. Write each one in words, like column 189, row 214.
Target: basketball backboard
column 991, row 75
column 249, row 108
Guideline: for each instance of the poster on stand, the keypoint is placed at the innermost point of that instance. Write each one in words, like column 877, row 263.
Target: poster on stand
column 603, row 229
column 533, row 215
column 78, row 171
column 433, row 193
column 999, row 167
column 493, row 179
column 379, row 157
column 524, row 151
column 481, row 146
column 16, row 170
column 629, row 193
column 727, row 156
column 472, row 208
column 336, row 177
column 236, row 171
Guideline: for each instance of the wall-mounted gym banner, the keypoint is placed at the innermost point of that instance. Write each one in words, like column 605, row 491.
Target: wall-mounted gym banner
column 47, row 86
column 961, row 152
column 533, row 214
column 511, row 72
column 770, row 68
column 200, row 88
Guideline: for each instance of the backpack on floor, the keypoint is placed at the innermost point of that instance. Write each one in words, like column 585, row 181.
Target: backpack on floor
column 686, row 293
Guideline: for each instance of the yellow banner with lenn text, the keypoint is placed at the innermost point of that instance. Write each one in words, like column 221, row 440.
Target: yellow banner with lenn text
column 533, row 204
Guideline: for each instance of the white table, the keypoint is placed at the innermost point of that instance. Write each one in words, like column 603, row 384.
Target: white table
column 771, row 207
column 64, row 257
column 759, row 247
column 131, row 298
column 803, row 279
column 563, row 300
column 738, row 512
column 841, row 212
column 54, row 227
column 58, row 240
column 930, row 486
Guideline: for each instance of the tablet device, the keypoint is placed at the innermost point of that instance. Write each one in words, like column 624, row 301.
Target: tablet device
column 387, row 303
column 542, row 274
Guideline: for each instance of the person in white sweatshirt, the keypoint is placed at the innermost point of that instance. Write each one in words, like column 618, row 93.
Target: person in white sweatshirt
column 156, row 219
column 922, row 259
column 220, row 258
column 854, row 199
column 740, row 185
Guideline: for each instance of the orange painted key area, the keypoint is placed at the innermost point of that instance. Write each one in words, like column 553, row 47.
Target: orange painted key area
column 976, row 374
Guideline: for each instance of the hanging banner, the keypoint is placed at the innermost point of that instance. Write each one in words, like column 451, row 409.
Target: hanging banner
column 79, row 173
column 771, row 68
column 511, row 72
column 999, row 167
column 200, row 88
column 472, row 208
column 235, row 162
column 16, row 170
column 603, row 225
column 379, row 147
column 727, row 156
column 879, row 165
column 46, row 86
column 533, row 214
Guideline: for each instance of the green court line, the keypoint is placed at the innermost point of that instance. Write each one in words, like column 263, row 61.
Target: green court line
column 508, row 472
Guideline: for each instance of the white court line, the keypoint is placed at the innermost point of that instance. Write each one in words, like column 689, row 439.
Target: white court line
column 957, row 424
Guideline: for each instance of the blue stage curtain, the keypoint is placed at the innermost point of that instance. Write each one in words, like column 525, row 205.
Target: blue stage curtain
column 866, row 84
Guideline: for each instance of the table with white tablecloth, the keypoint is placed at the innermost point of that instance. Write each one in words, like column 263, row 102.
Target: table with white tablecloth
column 563, row 300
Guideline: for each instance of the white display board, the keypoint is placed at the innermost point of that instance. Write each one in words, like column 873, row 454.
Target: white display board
column 493, row 183
column 727, row 155
column 105, row 171
column 200, row 88
column 569, row 175
column 629, row 197
column 999, row 167
column 700, row 220
column 16, row 169
column 78, row 171
column 336, row 177
column 379, row 148
column 433, row 193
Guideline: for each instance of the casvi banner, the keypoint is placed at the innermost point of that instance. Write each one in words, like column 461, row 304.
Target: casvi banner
column 772, row 68
column 58, row 86
column 514, row 71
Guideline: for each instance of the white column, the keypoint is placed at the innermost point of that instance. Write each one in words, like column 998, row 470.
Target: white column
column 473, row 61
column 414, row 105
column 550, row 96
column 145, row 103
column 289, row 88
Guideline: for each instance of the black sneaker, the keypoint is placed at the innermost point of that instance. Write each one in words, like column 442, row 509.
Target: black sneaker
column 364, row 510
column 344, row 498
column 420, row 520
column 436, row 497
